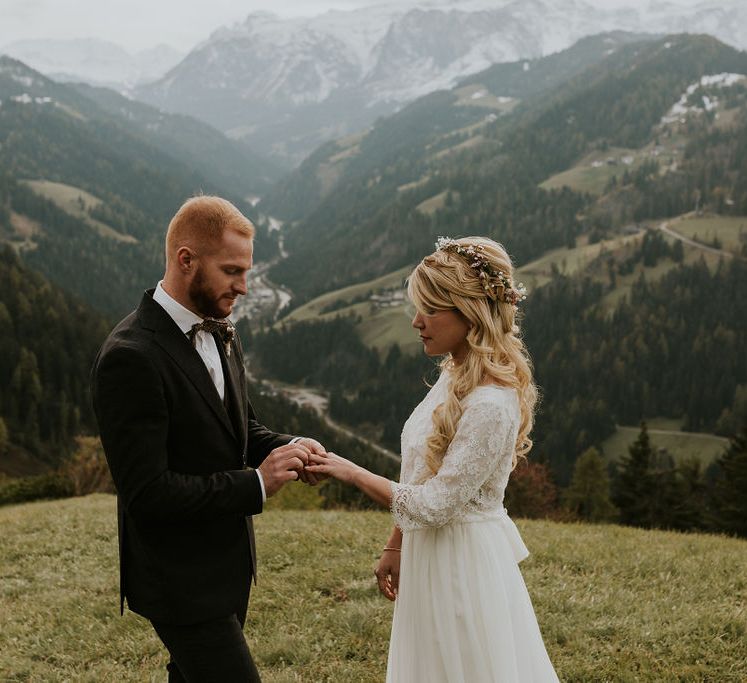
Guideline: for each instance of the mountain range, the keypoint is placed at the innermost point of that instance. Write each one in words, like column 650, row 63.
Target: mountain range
column 94, row 61
column 285, row 85
column 579, row 161
column 91, row 179
column 618, row 183
column 472, row 159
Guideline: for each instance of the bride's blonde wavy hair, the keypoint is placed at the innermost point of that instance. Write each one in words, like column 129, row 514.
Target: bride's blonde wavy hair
column 445, row 280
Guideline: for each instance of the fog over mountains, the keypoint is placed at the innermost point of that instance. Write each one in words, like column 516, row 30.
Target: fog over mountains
column 94, row 61
column 288, row 84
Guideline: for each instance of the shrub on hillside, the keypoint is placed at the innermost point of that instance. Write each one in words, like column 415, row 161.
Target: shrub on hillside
column 297, row 496
column 87, row 471
column 24, row 489
column 729, row 492
column 531, row 492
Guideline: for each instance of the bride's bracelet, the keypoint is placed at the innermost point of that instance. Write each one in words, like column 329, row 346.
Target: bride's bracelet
column 396, row 550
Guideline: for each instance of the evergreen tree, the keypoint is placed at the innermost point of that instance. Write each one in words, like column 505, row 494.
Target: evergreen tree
column 635, row 485
column 665, row 510
column 48, row 341
column 588, row 495
column 732, row 417
column 729, row 491
column 678, row 252
column 690, row 509
column 4, row 437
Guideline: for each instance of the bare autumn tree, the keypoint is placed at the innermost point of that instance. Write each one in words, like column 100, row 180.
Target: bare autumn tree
column 531, row 491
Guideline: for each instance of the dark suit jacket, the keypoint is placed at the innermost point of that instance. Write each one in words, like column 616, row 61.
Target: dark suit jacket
column 178, row 460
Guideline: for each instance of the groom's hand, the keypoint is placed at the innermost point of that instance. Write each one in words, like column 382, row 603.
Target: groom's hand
column 316, row 448
column 283, row 465
column 313, row 445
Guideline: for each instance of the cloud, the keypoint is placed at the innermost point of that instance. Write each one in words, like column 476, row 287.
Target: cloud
column 139, row 24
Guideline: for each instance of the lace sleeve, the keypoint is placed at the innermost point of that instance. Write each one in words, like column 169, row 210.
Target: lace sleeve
column 485, row 436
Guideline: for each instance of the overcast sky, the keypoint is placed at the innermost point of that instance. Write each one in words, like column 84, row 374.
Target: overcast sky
column 139, row 24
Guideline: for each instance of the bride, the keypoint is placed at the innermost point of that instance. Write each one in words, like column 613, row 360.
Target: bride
column 462, row 612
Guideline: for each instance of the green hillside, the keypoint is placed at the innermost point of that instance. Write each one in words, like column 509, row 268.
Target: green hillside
column 529, row 78
column 682, row 446
column 722, row 232
column 433, row 124
column 227, row 163
column 48, row 340
column 617, row 330
column 78, row 203
column 613, row 603
column 384, row 321
column 440, row 167
column 125, row 176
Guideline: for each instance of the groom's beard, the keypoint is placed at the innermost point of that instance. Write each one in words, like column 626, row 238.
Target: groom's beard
column 205, row 301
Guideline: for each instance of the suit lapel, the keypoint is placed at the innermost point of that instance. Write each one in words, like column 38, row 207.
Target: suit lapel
column 170, row 338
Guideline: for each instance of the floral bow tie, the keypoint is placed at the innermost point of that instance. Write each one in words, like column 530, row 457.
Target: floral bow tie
column 223, row 328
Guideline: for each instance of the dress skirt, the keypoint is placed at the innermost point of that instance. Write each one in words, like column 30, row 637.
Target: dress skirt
column 463, row 614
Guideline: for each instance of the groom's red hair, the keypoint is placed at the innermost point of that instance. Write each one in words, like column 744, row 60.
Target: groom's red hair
column 201, row 222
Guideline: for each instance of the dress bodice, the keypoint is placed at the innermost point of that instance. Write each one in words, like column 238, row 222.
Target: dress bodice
column 471, row 482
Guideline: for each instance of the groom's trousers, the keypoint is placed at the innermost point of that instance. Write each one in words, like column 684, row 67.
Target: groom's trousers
column 213, row 651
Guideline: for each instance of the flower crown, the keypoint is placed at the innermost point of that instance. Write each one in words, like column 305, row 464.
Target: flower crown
column 491, row 280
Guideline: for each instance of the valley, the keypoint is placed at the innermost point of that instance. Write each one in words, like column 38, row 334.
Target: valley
column 606, row 147
column 383, row 319
column 612, row 170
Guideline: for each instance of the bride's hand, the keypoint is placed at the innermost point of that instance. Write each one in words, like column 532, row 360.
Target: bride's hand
column 387, row 573
column 332, row 465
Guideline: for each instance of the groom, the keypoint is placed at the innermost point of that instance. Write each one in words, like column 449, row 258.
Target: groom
column 189, row 459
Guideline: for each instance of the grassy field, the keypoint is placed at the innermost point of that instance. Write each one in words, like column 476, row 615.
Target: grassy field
column 614, row 604
column 382, row 327
column 585, row 177
column 570, row 262
column 76, row 202
column 681, row 445
column 476, row 95
column 313, row 309
column 379, row 327
column 592, row 173
column 625, row 283
column 433, row 204
column 730, row 231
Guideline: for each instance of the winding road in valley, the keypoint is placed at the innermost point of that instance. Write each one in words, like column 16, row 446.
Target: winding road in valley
column 664, row 227
column 310, row 398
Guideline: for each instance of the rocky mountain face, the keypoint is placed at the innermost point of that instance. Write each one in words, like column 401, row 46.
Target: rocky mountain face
column 288, row 84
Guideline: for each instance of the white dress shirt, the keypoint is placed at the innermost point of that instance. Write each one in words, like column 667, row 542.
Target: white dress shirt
column 204, row 344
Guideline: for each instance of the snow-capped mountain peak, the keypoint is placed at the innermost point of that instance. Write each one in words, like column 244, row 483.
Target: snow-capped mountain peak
column 288, row 84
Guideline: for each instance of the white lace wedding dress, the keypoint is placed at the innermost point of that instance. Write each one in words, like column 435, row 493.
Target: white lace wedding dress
column 463, row 614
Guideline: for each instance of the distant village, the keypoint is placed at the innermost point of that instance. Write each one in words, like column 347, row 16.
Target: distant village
column 388, row 298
